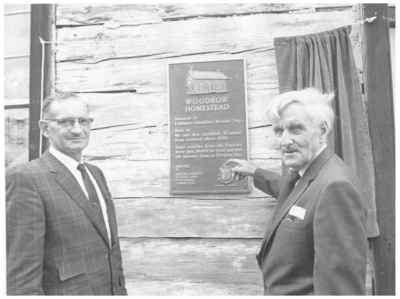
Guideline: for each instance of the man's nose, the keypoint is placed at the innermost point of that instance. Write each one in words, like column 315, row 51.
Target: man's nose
column 286, row 139
column 76, row 127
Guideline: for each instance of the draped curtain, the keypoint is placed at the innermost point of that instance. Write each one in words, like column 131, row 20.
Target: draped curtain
column 325, row 61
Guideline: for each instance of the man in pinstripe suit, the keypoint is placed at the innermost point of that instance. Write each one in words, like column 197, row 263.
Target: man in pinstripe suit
column 61, row 228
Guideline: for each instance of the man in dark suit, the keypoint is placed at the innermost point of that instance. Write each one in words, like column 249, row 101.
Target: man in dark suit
column 315, row 242
column 62, row 234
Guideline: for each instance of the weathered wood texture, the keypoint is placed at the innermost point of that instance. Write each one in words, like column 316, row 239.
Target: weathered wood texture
column 116, row 57
column 149, row 48
column 151, row 178
column 153, row 144
column 196, row 218
column 80, row 15
column 193, row 266
column 190, row 266
column 16, row 81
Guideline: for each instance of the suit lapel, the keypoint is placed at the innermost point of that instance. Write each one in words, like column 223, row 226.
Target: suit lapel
column 294, row 196
column 297, row 191
column 69, row 184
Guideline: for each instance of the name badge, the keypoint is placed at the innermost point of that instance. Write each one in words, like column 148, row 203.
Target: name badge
column 297, row 212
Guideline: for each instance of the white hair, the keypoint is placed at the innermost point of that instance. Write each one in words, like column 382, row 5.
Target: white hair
column 317, row 105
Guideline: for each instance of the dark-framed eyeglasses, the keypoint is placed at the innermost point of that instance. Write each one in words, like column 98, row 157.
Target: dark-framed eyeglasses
column 69, row 122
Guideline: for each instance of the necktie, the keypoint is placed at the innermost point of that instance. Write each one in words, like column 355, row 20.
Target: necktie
column 293, row 177
column 93, row 197
column 88, row 185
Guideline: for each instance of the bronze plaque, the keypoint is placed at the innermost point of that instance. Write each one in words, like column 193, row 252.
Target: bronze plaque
column 208, row 126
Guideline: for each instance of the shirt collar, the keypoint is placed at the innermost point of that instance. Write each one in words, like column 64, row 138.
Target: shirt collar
column 69, row 162
column 303, row 170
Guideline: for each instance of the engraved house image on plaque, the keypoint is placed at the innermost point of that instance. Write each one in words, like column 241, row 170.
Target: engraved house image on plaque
column 208, row 125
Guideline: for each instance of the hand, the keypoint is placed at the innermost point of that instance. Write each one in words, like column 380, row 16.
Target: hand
column 242, row 169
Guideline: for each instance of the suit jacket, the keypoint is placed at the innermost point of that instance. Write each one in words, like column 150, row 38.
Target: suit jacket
column 324, row 253
column 57, row 243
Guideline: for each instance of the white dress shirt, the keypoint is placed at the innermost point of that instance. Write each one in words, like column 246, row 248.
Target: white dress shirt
column 72, row 165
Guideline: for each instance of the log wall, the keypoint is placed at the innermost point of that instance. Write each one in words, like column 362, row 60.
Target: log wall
column 116, row 57
column 16, row 82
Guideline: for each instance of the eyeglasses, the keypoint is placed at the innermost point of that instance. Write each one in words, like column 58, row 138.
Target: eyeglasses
column 69, row 122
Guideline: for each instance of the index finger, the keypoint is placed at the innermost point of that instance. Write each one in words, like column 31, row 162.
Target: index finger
column 237, row 161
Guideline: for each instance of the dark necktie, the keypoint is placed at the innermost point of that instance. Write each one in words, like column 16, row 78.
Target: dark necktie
column 293, row 177
column 88, row 185
column 92, row 193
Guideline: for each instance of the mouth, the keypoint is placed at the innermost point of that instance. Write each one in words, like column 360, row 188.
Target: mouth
column 289, row 151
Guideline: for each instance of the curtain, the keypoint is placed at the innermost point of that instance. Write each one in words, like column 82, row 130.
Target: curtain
column 325, row 61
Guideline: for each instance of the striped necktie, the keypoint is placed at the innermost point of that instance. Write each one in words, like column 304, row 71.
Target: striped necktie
column 88, row 184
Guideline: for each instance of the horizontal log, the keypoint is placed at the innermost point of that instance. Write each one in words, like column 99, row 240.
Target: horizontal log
column 188, row 266
column 132, row 142
column 141, row 129
column 211, row 266
column 16, row 78
column 145, row 110
column 133, row 109
column 151, row 75
column 183, row 217
column 151, row 178
column 183, row 287
column 151, row 109
column 17, row 35
column 187, row 11
column 83, row 14
column 202, row 35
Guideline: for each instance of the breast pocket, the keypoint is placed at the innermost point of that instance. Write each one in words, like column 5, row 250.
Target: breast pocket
column 70, row 269
column 73, row 277
column 293, row 223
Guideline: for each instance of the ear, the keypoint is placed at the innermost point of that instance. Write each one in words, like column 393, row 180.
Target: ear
column 324, row 130
column 44, row 128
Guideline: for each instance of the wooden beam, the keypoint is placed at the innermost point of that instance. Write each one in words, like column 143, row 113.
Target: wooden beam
column 194, row 218
column 42, row 26
column 378, row 84
column 191, row 266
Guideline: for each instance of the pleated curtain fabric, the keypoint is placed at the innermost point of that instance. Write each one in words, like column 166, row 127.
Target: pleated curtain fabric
column 325, row 61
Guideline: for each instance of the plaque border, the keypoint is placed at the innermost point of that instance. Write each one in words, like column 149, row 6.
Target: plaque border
column 186, row 61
